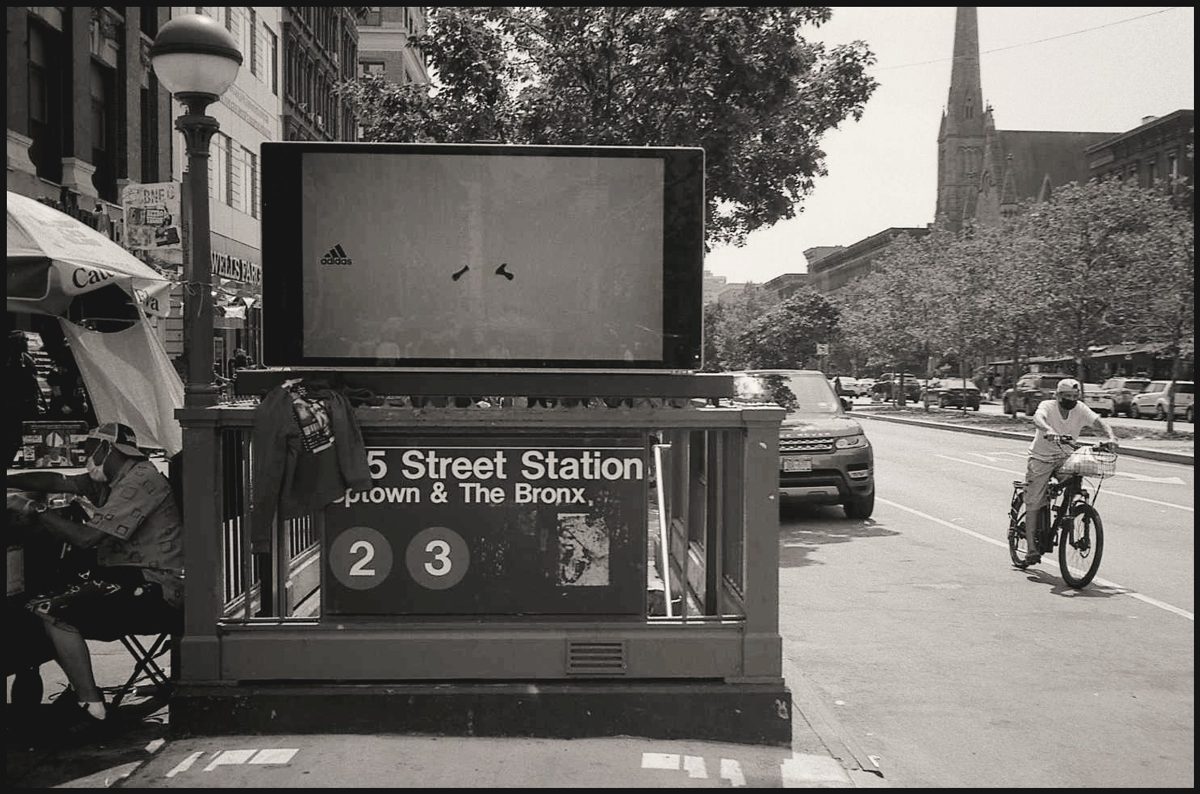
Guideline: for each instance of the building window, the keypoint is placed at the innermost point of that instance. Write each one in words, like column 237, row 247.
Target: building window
column 149, row 102
column 372, row 67
column 252, row 43
column 250, row 161
column 104, row 133
column 45, row 101
column 273, row 69
column 233, row 195
column 374, row 16
column 1151, row 172
column 1172, row 166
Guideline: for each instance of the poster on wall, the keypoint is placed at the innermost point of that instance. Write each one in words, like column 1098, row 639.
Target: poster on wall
column 492, row 527
column 152, row 223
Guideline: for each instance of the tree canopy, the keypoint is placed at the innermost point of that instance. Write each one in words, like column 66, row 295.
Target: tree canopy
column 744, row 83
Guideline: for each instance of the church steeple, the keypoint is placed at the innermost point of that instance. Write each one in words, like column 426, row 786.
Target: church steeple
column 962, row 133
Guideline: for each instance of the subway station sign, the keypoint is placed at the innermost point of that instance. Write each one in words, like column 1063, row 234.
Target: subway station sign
column 553, row 526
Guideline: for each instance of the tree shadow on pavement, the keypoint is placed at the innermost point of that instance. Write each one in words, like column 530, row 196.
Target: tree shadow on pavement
column 804, row 528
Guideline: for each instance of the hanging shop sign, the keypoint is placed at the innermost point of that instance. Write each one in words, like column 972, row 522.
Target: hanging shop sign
column 235, row 268
column 493, row 527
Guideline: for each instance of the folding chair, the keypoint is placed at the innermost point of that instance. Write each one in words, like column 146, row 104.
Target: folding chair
column 146, row 660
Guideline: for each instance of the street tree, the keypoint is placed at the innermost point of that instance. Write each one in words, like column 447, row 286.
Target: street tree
column 725, row 324
column 1092, row 245
column 887, row 312
column 1165, row 305
column 748, row 84
column 786, row 336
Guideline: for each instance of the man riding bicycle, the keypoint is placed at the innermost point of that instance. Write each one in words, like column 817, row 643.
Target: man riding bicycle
column 1063, row 416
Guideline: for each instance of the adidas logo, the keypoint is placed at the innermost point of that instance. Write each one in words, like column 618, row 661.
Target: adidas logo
column 336, row 256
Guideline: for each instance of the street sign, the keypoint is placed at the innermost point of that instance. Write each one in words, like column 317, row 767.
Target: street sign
column 470, row 526
column 822, row 349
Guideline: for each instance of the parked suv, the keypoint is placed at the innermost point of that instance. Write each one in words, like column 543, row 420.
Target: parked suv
column 1122, row 391
column 1154, row 400
column 1029, row 390
column 824, row 456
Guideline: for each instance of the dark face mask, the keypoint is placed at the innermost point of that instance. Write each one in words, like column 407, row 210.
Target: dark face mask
column 1067, row 403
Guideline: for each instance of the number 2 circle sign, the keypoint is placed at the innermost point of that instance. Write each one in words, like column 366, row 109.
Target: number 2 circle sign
column 437, row 558
column 361, row 558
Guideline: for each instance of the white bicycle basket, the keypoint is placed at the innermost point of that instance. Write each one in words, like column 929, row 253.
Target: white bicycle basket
column 1089, row 462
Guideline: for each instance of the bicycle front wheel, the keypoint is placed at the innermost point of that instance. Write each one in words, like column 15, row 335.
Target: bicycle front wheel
column 1016, row 531
column 1080, row 546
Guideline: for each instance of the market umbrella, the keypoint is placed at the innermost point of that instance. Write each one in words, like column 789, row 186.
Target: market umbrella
column 54, row 258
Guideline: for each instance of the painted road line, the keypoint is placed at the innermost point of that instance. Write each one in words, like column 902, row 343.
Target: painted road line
column 694, row 766
column 185, row 764
column 274, row 756
column 1102, row 582
column 155, row 746
column 660, row 761
column 731, row 770
column 1107, row 491
column 230, row 758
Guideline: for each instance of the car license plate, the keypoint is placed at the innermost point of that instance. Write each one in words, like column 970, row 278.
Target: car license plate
column 797, row 464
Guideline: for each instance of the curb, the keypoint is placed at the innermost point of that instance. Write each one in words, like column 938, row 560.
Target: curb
column 1133, row 452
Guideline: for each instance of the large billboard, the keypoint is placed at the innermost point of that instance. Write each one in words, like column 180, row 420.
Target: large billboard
column 409, row 255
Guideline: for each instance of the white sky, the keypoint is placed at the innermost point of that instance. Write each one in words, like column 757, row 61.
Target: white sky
column 883, row 169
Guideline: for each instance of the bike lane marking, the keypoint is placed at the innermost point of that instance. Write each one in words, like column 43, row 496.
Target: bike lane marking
column 1111, row 492
column 1098, row 580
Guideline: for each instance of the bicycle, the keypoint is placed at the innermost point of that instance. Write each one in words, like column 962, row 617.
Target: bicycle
column 1075, row 526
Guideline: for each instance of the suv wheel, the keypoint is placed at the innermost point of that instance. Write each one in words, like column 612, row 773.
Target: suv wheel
column 859, row 507
column 1134, row 413
column 1159, row 413
column 1030, row 408
column 942, row 402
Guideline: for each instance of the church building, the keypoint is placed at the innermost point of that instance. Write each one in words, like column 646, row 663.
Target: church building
column 984, row 172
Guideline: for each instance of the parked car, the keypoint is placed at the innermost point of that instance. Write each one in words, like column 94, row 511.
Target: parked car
column 849, row 385
column 1122, row 390
column 1097, row 399
column 887, row 384
column 1153, row 401
column 950, row 392
column 864, row 386
column 824, row 455
column 1029, row 390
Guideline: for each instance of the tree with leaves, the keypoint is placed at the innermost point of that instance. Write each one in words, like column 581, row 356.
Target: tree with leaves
column 725, row 324
column 891, row 311
column 1164, row 306
column 1093, row 247
column 747, row 84
column 786, row 337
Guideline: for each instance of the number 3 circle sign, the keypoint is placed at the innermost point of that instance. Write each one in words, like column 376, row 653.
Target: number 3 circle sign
column 361, row 558
column 437, row 558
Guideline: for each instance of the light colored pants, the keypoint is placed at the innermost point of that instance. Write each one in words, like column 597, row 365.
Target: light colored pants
column 1037, row 477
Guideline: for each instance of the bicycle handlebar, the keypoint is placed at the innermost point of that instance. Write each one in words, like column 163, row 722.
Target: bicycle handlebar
column 1069, row 441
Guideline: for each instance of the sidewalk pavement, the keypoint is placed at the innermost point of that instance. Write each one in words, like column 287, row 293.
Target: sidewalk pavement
column 1168, row 450
column 136, row 750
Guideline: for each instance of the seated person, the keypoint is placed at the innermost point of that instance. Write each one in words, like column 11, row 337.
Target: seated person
column 137, row 535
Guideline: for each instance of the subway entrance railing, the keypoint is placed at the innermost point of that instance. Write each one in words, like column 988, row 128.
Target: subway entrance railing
column 692, row 590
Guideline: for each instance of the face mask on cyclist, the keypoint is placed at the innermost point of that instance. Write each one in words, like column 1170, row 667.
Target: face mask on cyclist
column 1067, row 403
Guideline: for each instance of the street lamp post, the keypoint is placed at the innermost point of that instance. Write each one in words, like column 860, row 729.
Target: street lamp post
column 196, row 59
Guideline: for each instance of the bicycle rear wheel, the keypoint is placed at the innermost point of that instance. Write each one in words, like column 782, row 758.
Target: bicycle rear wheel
column 1017, row 546
column 1080, row 546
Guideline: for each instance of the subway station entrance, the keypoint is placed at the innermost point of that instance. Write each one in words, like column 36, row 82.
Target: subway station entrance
column 567, row 530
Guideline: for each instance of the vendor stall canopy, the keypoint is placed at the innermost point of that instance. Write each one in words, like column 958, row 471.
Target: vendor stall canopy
column 53, row 259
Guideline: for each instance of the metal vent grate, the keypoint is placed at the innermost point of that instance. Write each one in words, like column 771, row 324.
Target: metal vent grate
column 595, row 658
